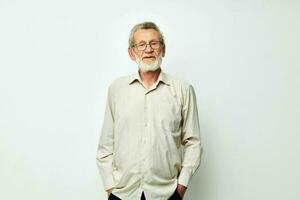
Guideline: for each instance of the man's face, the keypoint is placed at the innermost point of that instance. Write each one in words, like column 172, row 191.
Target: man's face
column 149, row 55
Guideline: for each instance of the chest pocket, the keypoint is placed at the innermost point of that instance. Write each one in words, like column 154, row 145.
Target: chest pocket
column 169, row 114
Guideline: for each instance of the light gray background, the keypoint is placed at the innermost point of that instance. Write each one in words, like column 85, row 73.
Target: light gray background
column 58, row 57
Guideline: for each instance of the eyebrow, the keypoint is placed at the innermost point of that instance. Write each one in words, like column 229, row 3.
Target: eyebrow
column 146, row 42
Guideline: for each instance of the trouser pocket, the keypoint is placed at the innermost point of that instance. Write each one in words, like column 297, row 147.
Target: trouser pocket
column 113, row 197
column 175, row 196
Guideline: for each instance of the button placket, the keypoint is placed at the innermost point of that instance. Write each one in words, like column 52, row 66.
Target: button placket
column 145, row 133
column 145, row 111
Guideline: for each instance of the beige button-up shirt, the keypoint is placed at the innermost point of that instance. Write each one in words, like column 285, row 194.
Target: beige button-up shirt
column 150, row 137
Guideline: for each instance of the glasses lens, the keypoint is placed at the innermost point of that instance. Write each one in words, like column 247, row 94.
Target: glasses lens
column 155, row 45
column 143, row 46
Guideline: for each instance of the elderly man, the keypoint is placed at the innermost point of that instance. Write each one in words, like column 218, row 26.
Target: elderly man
column 150, row 145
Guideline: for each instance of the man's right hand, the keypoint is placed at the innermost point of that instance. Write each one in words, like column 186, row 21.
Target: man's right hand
column 109, row 191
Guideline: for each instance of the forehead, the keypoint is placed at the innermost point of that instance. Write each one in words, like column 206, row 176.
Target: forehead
column 145, row 35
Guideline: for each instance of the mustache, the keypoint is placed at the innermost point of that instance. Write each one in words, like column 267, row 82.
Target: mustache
column 145, row 57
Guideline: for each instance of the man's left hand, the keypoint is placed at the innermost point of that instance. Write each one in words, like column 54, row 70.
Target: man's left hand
column 181, row 190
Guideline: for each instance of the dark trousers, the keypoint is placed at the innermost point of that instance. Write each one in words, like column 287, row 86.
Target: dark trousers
column 175, row 196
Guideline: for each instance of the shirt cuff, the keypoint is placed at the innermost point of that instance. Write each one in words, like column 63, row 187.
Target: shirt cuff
column 108, row 183
column 185, row 176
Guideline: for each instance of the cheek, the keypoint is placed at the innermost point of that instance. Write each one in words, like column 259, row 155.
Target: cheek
column 137, row 54
column 159, row 53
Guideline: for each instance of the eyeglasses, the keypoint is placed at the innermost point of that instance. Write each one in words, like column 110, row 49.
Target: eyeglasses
column 153, row 45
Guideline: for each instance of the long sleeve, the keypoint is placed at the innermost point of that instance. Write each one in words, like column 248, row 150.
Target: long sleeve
column 106, row 145
column 190, row 138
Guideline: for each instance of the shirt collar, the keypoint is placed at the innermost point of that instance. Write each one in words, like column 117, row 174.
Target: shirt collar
column 161, row 78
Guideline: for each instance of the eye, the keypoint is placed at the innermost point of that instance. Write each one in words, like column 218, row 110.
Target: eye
column 154, row 43
column 141, row 45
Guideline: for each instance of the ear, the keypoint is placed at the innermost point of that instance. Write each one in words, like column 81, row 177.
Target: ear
column 163, row 51
column 131, row 53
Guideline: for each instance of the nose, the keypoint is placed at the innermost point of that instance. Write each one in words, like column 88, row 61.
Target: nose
column 148, row 48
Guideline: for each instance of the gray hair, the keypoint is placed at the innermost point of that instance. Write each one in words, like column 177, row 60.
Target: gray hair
column 145, row 25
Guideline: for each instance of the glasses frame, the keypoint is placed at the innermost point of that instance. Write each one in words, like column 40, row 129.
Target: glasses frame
column 146, row 45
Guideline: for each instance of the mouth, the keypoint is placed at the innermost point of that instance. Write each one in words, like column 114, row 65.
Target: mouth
column 149, row 58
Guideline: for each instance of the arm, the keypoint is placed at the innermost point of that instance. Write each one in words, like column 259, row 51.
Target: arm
column 105, row 146
column 190, row 138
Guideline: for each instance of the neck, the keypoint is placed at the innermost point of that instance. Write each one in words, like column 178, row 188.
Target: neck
column 150, row 77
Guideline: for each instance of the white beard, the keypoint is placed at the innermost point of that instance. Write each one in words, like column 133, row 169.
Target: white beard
column 145, row 67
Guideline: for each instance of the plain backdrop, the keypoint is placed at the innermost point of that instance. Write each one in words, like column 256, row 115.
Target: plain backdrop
column 58, row 57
